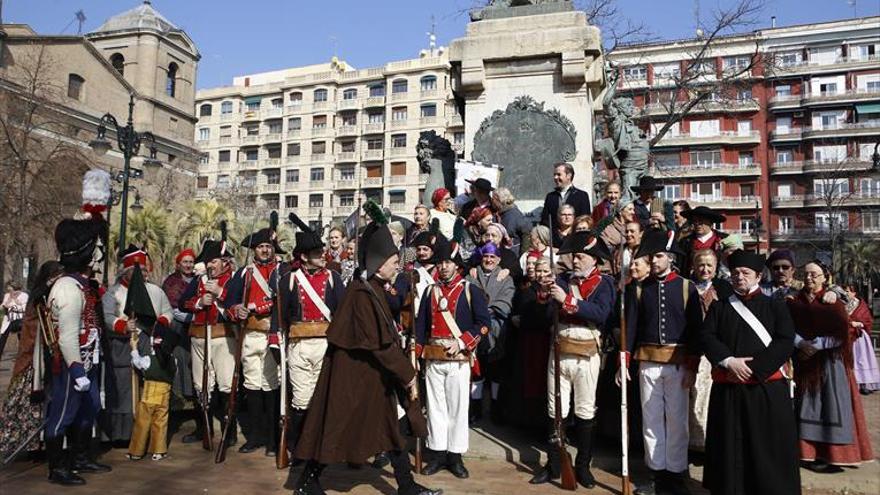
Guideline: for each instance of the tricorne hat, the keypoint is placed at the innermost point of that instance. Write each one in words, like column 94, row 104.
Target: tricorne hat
column 647, row 183
column 704, row 212
column 585, row 242
column 657, row 241
column 269, row 235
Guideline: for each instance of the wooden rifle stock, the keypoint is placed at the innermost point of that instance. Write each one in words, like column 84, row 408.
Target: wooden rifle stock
column 220, row 455
column 568, row 480
column 282, row 457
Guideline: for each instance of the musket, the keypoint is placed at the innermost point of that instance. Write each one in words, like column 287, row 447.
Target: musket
column 135, row 381
column 282, row 457
column 410, row 325
column 568, row 479
column 220, row 455
column 626, row 488
column 205, row 396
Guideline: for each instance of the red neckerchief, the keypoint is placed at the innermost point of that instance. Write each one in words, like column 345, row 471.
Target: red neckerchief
column 587, row 285
column 710, row 243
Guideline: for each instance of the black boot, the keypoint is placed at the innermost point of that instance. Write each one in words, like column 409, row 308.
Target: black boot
column 583, row 436
column 549, row 471
column 196, row 436
column 676, row 483
column 309, row 481
column 651, row 487
column 271, row 402
column 83, row 461
column 255, row 437
column 406, row 485
column 435, row 463
column 59, row 471
column 380, row 460
column 456, row 466
column 222, row 409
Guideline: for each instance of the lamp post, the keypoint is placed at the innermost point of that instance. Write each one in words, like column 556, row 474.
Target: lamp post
column 129, row 143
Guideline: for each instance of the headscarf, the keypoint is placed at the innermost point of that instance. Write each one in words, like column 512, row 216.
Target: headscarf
column 186, row 252
column 438, row 195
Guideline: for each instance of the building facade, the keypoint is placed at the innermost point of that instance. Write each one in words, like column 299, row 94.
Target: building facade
column 791, row 145
column 318, row 139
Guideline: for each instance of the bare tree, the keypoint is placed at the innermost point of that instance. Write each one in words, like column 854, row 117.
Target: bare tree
column 37, row 160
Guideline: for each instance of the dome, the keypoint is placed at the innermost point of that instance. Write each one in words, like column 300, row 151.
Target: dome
column 142, row 17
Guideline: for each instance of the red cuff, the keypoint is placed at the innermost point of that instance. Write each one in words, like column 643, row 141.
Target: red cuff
column 120, row 325
column 263, row 309
column 570, row 305
column 628, row 358
column 163, row 320
column 419, row 349
column 470, row 341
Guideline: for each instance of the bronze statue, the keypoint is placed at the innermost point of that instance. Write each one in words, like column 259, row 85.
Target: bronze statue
column 437, row 159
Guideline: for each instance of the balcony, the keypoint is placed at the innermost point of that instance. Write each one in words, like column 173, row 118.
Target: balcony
column 726, row 202
column 347, row 130
column 323, row 106
column 845, row 129
column 374, row 101
column 455, row 121
column 226, row 117
column 345, row 184
column 402, row 96
column 274, row 137
column 269, row 113
column 249, row 115
column 399, row 208
column 373, row 155
column 787, row 134
column 820, row 233
column 272, row 162
column 202, row 193
column 787, row 168
column 398, row 151
column 848, row 96
column 428, row 121
column 372, row 182
column 225, row 140
column 429, row 93
column 396, row 180
column 725, row 106
column 399, row 123
column 708, row 170
column 346, row 156
column 314, row 185
column 314, row 211
column 249, row 164
column 252, row 139
column 294, row 133
column 793, row 201
column 293, row 159
column 295, row 108
column 322, row 132
column 321, row 157
column 808, row 67
column 723, row 137
column 268, row 188
column 374, row 127
column 842, row 166
column 858, row 198
column 352, row 104
column 203, row 142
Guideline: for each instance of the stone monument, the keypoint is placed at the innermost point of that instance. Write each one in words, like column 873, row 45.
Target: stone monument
column 529, row 73
column 437, row 159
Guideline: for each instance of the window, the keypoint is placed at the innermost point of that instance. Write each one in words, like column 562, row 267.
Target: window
column 252, row 105
column 350, row 94
column 74, row 86
column 275, row 127
column 273, row 177
column 320, row 95
column 746, row 158
column 291, row 201
column 376, row 117
column 702, row 67
column 783, row 90
column 746, row 224
column 428, row 83
column 458, row 138
column 376, row 143
column 316, row 200
column 293, row 149
column 869, row 187
column 398, row 169
column 784, row 156
column 205, row 110
column 270, row 201
column 171, row 80
column 862, row 52
column 828, row 89
column 832, row 153
column 398, row 114
column 671, row 192
column 346, row 199
column 831, row 187
column 347, row 146
column 374, row 171
column 667, row 71
column 747, row 191
column 398, row 140
column 399, row 86
column 316, row 174
column 319, row 147
column 202, row 182
column 785, row 225
column 871, row 221
column 251, row 130
column 252, row 154
column 277, row 103
column 319, row 122
column 224, row 156
column 296, row 98
column 226, row 107
column 397, row 197
column 635, row 72
column 736, row 63
column 291, row 176
column 824, row 55
column 828, row 120
column 706, row 191
column 705, row 128
column 429, row 110
column 204, row 158
column 744, row 95
column 346, row 173
column 223, row 182
column 349, row 119
column 827, row 222
column 204, row 134
column 789, row 58
column 668, row 160
column 374, row 194
column 294, row 124
column 118, row 63
column 377, row 90
column 744, row 127
column 784, row 190
column 247, row 180
column 705, row 157
column 783, row 125
column 273, row 151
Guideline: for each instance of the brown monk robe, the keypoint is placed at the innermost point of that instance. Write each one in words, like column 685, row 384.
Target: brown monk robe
column 353, row 413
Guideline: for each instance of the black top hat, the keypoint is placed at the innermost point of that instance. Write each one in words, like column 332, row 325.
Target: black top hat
column 647, row 183
column 704, row 212
column 481, row 184
column 657, row 241
column 585, row 242
column 748, row 259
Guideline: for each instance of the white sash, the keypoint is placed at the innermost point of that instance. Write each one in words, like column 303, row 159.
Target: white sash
column 750, row 318
column 313, row 296
column 257, row 277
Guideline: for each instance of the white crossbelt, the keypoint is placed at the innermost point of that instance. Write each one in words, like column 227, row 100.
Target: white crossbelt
column 313, row 296
column 760, row 330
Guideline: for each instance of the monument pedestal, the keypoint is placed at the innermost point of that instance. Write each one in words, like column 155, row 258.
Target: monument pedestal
column 530, row 77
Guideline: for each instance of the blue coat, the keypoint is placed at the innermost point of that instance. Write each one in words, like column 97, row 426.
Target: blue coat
column 470, row 319
column 659, row 315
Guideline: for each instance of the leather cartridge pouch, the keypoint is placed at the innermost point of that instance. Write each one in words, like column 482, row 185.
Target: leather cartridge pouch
column 585, row 348
column 258, row 324
column 308, row 329
column 664, row 354
column 435, row 350
column 200, row 331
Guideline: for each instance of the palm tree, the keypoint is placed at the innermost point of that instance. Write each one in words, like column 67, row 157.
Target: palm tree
column 200, row 220
column 860, row 261
column 150, row 229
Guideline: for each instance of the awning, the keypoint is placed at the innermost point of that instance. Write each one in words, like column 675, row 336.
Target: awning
column 397, row 191
column 868, row 108
column 250, row 100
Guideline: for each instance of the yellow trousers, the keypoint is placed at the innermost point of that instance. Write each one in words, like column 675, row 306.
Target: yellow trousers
column 151, row 420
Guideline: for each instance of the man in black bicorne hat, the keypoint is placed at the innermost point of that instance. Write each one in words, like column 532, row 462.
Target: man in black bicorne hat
column 480, row 192
column 645, row 202
column 703, row 236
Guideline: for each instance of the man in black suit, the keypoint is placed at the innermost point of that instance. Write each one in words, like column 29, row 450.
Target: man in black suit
column 565, row 193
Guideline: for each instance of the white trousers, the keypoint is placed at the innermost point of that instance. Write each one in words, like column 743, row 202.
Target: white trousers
column 577, row 374
column 222, row 364
column 664, row 416
column 258, row 365
column 304, row 360
column 448, row 398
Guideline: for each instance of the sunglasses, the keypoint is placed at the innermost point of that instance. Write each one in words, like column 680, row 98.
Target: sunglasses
column 781, row 267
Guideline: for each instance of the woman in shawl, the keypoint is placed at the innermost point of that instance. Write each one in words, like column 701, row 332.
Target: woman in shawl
column 830, row 416
column 864, row 357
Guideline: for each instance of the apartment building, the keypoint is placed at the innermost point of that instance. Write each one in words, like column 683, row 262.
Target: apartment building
column 318, row 139
column 792, row 146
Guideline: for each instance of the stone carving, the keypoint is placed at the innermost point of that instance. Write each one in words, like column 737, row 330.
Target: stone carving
column 437, row 159
column 627, row 147
column 527, row 140
column 513, row 8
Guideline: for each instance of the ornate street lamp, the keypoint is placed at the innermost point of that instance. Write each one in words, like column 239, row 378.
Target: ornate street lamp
column 129, row 143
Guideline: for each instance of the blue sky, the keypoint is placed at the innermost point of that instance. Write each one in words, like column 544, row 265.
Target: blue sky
column 238, row 37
